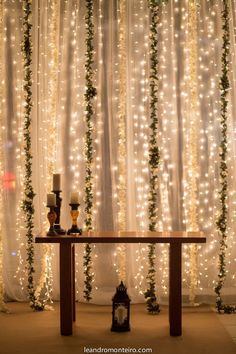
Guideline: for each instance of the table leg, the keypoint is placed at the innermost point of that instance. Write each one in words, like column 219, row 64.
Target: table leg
column 175, row 289
column 73, row 282
column 66, row 288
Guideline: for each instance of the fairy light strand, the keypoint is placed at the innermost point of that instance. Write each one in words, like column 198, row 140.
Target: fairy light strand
column 3, row 307
column 98, row 135
column 76, row 127
column 17, row 137
column 46, row 262
column 138, row 165
column 192, row 150
column 122, row 173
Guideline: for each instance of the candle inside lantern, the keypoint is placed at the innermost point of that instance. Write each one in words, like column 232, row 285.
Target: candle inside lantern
column 121, row 314
column 51, row 199
column 56, row 182
column 74, row 198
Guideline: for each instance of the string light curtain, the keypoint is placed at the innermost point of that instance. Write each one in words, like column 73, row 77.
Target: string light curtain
column 2, row 159
column 47, row 93
column 122, row 161
column 70, row 161
column 191, row 140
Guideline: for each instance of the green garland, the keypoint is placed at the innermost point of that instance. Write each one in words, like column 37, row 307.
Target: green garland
column 27, row 203
column 89, row 96
column 154, row 155
column 223, row 194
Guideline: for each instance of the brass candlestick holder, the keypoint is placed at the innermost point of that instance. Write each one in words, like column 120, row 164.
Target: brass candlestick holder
column 74, row 216
column 51, row 218
column 57, row 225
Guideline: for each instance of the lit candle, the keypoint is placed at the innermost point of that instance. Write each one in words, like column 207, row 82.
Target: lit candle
column 121, row 314
column 74, row 198
column 51, row 199
column 56, row 182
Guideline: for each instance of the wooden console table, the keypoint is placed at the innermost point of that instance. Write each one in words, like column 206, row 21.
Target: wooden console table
column 67, row 267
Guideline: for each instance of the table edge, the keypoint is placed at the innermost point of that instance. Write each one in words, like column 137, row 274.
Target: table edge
column 123, row 239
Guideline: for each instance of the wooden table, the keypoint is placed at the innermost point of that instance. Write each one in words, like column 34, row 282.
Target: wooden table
column 67, row 267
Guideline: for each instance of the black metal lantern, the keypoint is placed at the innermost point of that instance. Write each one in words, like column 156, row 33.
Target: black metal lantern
column 120, row 310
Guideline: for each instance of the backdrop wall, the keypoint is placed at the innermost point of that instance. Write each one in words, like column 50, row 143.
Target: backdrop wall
column 188, row 96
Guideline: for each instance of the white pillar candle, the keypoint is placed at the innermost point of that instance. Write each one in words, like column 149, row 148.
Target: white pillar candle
column 56, row 182
column 74, row 198
column 51, row 199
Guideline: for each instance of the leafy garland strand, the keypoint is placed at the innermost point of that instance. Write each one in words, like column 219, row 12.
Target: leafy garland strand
column 223, row 193
column 89, row 96
column 154, row 155
column 27, row 203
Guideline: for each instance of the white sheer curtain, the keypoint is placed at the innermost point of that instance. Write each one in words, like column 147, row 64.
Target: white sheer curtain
column 58, row 88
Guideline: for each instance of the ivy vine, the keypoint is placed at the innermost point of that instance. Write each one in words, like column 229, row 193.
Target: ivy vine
column 27, row 203
column 222, row 220
column 89, row 97
column 154, row 154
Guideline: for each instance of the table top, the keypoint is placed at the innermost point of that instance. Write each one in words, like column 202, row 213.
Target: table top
column 127, row 237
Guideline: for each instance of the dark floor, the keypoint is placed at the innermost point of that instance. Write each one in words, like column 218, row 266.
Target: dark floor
column 28, row 332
